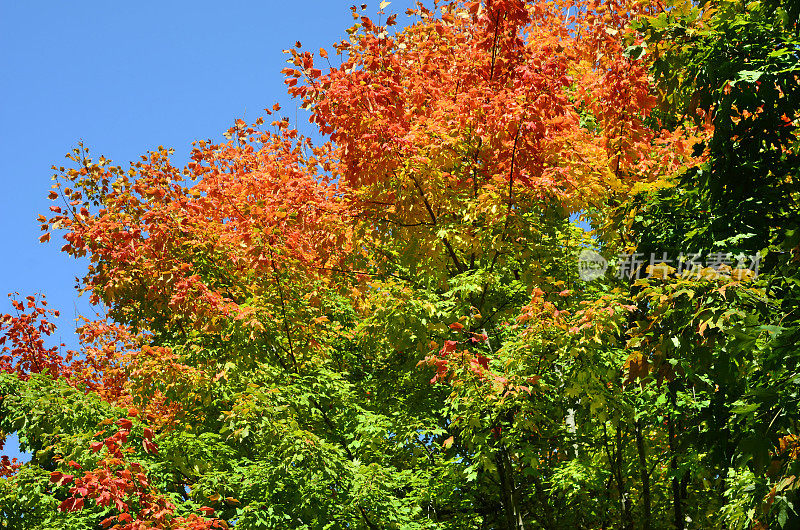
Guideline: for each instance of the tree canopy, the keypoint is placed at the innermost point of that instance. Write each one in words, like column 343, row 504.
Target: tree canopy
column 538, row 268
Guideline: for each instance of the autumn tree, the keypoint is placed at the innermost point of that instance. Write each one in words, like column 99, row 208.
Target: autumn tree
column 388, row 328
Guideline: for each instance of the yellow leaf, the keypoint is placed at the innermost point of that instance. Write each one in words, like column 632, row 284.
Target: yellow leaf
column 384, row 4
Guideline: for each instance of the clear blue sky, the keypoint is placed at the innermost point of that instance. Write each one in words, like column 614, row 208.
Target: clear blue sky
column 126, row 77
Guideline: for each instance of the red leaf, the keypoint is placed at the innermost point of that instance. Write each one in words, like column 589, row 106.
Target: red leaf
column 142, row 479
column 449, row 347
column 71, row 505
column 150, row 447
column 480, row 337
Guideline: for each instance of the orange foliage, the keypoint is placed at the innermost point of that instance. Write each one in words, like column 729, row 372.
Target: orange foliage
column 22, row 339
column 487, row 102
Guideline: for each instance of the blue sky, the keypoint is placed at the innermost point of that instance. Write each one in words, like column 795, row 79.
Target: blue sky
column 126, row 77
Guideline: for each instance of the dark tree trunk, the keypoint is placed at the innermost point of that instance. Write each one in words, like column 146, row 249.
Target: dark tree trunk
column 511, row 508
column 644, row 474
column 677, row 504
